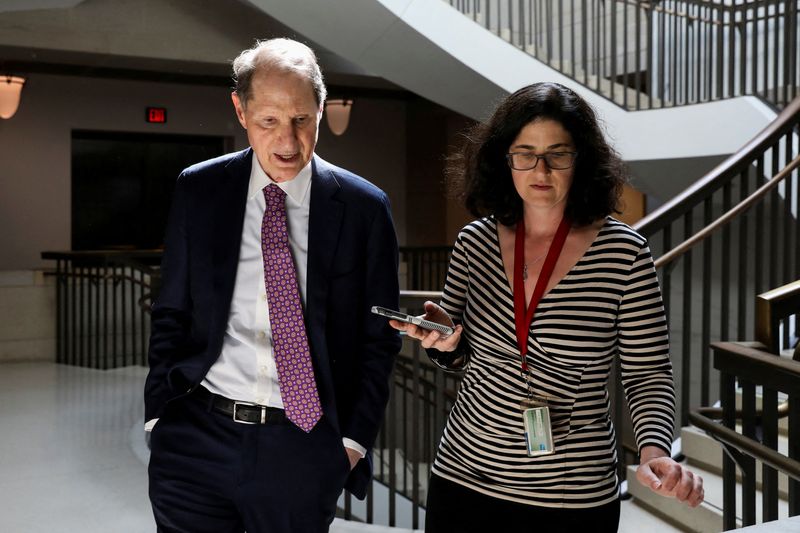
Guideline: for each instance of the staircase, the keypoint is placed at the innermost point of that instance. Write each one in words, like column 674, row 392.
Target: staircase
column 678, row 52
column 723, row 241
column 703, row 455
column 433, row 50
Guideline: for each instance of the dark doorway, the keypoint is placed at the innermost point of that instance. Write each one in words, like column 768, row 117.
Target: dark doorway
column 122, row 185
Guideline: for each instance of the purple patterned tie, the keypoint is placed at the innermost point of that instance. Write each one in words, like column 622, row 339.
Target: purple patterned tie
column 292, row 355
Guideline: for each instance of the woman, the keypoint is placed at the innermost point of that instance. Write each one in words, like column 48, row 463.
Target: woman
column 544, row 181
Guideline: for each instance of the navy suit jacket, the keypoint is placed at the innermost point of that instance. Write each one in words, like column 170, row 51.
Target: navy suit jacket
column 352, row 265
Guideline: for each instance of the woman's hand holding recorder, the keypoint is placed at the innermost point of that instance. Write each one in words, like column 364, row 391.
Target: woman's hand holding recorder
column 429, row 338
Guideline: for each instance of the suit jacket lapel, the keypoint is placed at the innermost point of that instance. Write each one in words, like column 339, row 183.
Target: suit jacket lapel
column 324, row 225
column 228, row 201
column 325, row 221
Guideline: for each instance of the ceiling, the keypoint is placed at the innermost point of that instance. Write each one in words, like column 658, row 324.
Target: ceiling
column 153, row 40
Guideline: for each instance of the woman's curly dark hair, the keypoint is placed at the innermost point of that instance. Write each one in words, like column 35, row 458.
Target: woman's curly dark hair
column 488, row 188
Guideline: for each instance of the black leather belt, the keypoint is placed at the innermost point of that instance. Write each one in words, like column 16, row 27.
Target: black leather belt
column 242, row 412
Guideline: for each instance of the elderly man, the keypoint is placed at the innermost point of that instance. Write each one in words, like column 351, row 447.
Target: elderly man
column 268, row 374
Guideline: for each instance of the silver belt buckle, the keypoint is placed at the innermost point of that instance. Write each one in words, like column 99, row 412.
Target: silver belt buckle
column 236, row 406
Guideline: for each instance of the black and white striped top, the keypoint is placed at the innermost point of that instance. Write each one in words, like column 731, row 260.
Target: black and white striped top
column 609, row 304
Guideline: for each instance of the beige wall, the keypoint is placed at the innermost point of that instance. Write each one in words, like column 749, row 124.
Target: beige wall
column 433, row 218
column 35, row 186
column 28, row 320
column 632, row 205
column 35, row 181
column 374, row 147
column 457, row 214
column 178, row 36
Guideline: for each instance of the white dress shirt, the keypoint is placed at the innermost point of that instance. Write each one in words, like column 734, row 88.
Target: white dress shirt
column 245, row 369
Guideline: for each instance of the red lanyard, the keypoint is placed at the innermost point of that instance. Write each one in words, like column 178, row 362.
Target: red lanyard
column 523, row 318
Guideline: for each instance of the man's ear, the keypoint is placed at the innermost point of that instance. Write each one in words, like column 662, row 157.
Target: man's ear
column 237, row 105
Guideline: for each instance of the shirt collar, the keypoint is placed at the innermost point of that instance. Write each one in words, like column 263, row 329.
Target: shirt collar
column 296, row 188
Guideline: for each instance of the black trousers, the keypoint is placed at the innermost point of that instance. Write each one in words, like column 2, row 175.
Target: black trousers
column 453, row 508
column 209, row 474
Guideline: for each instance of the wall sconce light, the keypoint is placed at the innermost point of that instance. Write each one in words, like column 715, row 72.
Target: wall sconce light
column 10, row 92
column 337, row 112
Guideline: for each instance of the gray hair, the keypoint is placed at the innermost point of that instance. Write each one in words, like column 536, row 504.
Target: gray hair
column 284, row 55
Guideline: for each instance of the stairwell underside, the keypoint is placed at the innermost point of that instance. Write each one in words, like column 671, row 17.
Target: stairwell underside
column 433, row 50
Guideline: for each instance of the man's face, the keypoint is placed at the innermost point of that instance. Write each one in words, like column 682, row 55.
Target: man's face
column 282, row 122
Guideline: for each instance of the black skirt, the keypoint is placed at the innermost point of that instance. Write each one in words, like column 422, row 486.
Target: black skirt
column 453, row 508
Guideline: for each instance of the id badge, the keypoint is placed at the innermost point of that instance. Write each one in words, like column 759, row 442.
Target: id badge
column 538, row 433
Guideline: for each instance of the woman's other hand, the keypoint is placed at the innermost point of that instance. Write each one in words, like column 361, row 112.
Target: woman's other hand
column 428, row 338
column 668, row 478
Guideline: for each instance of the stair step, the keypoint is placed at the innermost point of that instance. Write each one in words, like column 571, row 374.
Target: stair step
column 347, row 526
column 787, row 525
column 633, row 518
column 705, row 518
column 701, row 450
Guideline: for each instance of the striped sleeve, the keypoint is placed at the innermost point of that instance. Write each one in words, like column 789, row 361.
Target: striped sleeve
column 454, row 294
column 644, row 355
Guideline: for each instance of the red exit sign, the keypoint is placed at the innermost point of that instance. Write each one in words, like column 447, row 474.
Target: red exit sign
column 156, row 115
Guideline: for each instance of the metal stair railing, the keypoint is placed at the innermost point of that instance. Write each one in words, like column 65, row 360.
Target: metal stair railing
column 710, row 281
column 660, row 53
column 421, row 397
column 752, row 365
column 102, row 301
column 748, row 366
column 103, row 298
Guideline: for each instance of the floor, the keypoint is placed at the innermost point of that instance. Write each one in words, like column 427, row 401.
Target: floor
column 73, row 458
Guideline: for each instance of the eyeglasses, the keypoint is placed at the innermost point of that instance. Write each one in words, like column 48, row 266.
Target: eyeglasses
column 529, row 160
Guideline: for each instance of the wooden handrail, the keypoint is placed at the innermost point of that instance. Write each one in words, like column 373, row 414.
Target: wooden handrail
column 772, row 371
column 773, row 306
column 98, row 277
column 763, row 453
column 715, row 413
column 154, row 253
column 413, row 298
column 730, row 8
column 752, row 367
column 738, row 209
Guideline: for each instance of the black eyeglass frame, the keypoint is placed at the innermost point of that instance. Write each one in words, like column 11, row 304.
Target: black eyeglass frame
column 510, row 159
